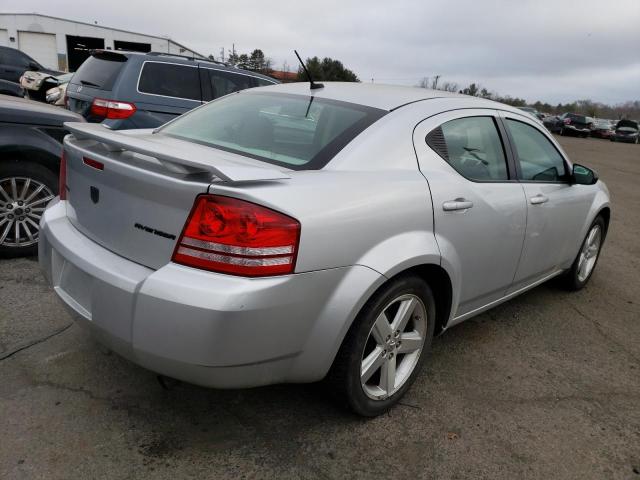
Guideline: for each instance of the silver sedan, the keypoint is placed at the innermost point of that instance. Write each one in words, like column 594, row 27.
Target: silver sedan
column 284, row 234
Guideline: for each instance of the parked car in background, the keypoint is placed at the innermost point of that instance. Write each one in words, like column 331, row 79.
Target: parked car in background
column 57, row 95
column 13, row 63
column 533, row 112
column 552, row 123
column 31, row 136
column 145, row 90
column 11, row 88
column 284, row 234
column 626, row 131
column 36, row 84
column 575, row 124
column 602, row 129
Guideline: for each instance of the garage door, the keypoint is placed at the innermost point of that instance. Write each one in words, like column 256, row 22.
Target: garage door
column 4, row 38
column 40, row 46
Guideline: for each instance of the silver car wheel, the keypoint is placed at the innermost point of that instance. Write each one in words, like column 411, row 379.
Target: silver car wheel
column 22, row 203
column 393, row 347
column 589, row 253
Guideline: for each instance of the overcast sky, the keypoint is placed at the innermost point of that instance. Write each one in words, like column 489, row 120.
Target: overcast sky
column 552, row 50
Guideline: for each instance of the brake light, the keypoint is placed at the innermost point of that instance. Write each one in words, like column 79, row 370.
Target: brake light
column 228, row 235
column 567, row 121
column 62, row 177
column 112, row 109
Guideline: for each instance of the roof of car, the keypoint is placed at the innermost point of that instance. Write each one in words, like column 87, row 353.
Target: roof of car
column 183, row 59
column 385, row 97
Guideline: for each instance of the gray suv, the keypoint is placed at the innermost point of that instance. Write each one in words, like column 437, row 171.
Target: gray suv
column 145, row 90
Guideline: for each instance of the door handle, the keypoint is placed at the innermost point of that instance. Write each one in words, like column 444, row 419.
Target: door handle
column 539, row 199
column 457, row 204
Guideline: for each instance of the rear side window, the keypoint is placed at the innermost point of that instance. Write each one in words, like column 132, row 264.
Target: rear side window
column 223, row 83
column 539, row 160
column 14, row 58
column 170, row 80
column 472, row 146
column 100, row 71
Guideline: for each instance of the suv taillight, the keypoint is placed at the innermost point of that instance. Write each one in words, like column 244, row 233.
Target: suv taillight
column 62, row 177
column 112, row 109
column 228, row 235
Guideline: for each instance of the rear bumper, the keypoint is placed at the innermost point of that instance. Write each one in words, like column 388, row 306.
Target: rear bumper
column 204, row 328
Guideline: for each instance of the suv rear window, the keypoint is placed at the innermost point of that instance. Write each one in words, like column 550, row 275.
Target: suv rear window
column 296, row 131
column 100, row 70
column 170, row 80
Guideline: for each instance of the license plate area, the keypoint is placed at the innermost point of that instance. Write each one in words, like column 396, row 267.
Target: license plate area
column 75, row 287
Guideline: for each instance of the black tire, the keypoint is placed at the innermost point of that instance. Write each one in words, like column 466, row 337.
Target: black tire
column 344, row 377
column 570, row 279
column 36, row 172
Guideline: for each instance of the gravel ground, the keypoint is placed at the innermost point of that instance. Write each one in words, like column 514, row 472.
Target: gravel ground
column 544, row 386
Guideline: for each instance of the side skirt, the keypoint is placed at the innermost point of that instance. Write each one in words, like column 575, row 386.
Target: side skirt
column 472, row 313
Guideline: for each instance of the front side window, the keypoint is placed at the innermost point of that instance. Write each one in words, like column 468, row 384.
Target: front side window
column 170, row 80
column 539, row 160
column 472, row 146
column 297, row 131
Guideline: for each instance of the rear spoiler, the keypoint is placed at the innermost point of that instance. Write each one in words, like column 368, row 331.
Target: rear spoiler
column 196, row 157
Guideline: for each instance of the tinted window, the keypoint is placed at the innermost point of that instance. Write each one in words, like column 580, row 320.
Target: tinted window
column 223, row 83
column 170, row 80
column 263, row 83
column 100, row 71
column 297, row 131
column 472, row 147
column 539, row 160
column 15, row 58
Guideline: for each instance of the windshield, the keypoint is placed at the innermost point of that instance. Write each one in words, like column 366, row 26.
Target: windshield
column 296, row 131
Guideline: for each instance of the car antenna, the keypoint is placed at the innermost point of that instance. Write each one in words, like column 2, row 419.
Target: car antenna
column 314, row 85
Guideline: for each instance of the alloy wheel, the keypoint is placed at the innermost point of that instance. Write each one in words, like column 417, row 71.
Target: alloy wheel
column 22, row 203
column 589, row 253
column 393, row 347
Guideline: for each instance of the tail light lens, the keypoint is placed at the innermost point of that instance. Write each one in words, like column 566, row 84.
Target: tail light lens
column 62, row 177
column 233, row 236
column 567, row 121
column 112, row 109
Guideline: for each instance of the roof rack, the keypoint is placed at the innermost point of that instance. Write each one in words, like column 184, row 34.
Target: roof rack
column 188, row 57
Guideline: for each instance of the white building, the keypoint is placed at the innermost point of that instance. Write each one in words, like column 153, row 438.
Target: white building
column 63, row 44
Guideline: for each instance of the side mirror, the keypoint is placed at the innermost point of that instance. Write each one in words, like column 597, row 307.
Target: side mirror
column 34, row 66
column 582, row 175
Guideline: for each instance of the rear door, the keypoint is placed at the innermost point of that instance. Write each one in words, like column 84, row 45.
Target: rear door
column 556, row 209
column 479, row 206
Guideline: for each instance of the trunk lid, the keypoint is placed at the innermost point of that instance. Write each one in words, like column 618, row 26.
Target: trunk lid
column 132, row 191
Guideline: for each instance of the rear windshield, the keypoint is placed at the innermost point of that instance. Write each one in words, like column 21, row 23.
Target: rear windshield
column 296, row 131
column 100, row 70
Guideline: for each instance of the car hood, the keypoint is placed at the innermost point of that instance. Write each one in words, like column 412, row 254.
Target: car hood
column 21, row 110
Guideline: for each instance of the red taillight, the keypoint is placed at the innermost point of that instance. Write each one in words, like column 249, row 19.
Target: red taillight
column 62, row 177
column 227, row 235
column 567, row 121
column 112, row 109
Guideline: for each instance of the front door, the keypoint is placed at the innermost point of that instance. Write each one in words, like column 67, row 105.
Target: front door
column 556, row 209
column 479, row 206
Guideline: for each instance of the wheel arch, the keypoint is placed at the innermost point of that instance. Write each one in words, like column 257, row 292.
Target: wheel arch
column 439, row 281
